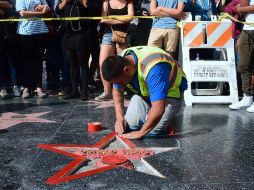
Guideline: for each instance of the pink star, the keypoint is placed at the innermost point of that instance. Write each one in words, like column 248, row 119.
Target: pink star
column 106, row 104
column 9, row 119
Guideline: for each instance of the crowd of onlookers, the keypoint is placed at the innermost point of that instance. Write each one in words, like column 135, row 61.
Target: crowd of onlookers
column 75, row 50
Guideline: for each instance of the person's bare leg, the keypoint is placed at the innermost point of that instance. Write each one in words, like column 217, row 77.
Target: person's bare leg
column 106, row 51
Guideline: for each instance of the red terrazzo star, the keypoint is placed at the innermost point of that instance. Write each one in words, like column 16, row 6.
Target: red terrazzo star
column 9, row 119
column 94, row 159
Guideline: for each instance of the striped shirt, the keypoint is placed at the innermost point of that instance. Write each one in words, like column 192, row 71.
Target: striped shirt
column 30, row 27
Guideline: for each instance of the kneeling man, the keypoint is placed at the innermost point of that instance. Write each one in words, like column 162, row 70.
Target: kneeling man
column 158, row 83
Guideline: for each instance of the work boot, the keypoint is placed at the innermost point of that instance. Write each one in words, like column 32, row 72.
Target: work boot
column 245, row 102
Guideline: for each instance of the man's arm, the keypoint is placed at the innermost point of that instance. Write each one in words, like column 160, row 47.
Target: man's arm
column 177, row 13
column 120, row 123
column 245, row 7
column 154, row 11
column 29, row 14
column 158, row 84
column 39, row 10
column 154, row 116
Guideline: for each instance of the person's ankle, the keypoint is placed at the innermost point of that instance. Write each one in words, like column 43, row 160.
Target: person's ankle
column 108, row 92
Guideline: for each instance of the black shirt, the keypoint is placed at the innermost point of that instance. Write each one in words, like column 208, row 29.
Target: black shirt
column 74, row 9
column 118, row 27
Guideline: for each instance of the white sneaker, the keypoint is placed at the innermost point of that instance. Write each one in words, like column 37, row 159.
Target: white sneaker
column 16, row 91
column 250, row 109
column 245, row 102
column 3, row 93
column 40, row 94
column 104, row 96
column 26, row 93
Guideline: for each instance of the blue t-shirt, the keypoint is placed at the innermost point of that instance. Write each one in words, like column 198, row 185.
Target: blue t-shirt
column 157, row 81
column 166, row 22
column 202, row 8
column 30, row 27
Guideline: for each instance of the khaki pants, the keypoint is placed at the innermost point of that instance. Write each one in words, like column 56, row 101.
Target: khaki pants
column 166, row 37
column 246, row 52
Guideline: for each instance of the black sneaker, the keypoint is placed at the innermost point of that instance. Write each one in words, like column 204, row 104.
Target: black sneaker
column 72, row 95
column 84, row 97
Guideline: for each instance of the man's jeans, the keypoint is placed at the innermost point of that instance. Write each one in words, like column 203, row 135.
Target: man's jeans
column 137, row 114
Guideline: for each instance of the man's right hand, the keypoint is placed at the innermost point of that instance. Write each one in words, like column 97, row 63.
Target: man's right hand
column 120, row 125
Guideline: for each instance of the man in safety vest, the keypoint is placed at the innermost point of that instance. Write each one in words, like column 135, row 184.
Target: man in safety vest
column 158, row 83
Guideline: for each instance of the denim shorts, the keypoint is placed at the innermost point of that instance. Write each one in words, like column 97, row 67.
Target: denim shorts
column 107, row 39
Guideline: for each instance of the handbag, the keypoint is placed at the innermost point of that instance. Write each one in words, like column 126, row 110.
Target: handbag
column 119, row 36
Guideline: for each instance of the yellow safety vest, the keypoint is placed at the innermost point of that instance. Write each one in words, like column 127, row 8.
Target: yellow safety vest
column 148, row 57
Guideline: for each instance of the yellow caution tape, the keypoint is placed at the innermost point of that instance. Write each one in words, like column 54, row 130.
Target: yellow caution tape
column 76, row 18
column 222, row 16
column 179, row 23
column 226, row 16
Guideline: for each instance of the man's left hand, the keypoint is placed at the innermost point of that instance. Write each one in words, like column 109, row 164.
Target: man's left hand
column 132, row 135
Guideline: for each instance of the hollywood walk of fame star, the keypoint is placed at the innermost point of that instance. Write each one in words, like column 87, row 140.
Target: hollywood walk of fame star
column 9, row 119
column 106, row 103
column 82, row 154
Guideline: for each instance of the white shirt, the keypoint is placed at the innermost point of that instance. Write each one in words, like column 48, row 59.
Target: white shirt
column 249, row 18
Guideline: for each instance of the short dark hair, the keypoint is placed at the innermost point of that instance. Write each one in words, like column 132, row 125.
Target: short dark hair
column 113, row 66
